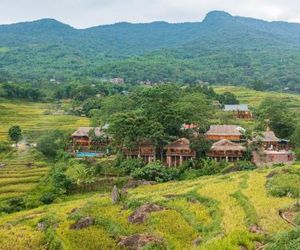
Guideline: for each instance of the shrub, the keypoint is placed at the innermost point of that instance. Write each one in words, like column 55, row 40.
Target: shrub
column 130, row 165
column 286, row 240
column 240, row 166
column 155, row 171
column 48, row 198
column 4, row 147
column 284, row 184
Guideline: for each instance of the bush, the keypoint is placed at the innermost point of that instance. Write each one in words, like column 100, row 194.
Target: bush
column 48, row 198
column 240, row 166
column 284, row 184
column 194, row 169
column 4, row 147
column 286, row 240
column 130, row 165
column 155, row 171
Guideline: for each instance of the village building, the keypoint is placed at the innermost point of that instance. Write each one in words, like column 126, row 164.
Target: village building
column 271, row 157
column 145, row 151
column 225, row 150
column 241, row 111
column 268, row 140
column 84, row 137
column 228, row 132
column 272, row 150
column 178, row 152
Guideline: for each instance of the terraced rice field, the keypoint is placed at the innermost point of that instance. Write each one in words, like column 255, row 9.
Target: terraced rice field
column 17, row 178
column 207, row 213
column 31, row 118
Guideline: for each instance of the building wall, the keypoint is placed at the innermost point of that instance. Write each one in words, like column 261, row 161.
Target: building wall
column 221, row 137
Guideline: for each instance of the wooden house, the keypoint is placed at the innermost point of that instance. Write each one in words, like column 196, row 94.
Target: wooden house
column 228, row 132
column 226, row 150
column 178, row 152
column 268, row 140
column 145, row 150
column 83, row 137
column 271, row 157
column 241, row 111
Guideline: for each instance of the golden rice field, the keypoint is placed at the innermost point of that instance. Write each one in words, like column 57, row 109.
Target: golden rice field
column 31, row 118
column 17, row 178
column 218, row 210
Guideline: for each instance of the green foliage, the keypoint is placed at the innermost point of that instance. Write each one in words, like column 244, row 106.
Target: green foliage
column 15, row 133
column 50, row 144
column 130, row 165
column 245, row 203
column 197, row 168
column 286, row 240
column 155, row 171
column 285, row 183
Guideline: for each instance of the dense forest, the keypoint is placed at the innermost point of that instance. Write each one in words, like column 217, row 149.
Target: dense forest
column 221, row 49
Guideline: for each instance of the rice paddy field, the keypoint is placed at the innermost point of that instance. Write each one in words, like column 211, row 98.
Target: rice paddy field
column 20, row 174
column 32, row 119
column 214, row 213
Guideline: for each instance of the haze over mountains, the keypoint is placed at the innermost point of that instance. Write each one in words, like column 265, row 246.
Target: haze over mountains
column 221, row 49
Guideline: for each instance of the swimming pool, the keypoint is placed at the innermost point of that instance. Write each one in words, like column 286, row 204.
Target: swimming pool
column 86, row 154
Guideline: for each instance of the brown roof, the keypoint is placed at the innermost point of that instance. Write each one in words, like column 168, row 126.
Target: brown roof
column 226, row 145
column 267, row 136
column 84, row 132
column 224, row 130
column 180, row 143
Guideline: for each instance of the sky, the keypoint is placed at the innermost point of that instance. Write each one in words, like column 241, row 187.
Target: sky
column 88, row 13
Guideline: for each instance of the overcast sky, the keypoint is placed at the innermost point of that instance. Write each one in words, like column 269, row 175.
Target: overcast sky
column 87, row 13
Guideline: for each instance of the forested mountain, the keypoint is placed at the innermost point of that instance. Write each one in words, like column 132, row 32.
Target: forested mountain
column 221, row 49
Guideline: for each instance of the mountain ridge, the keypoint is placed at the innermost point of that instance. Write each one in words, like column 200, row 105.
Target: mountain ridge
column 221, row 49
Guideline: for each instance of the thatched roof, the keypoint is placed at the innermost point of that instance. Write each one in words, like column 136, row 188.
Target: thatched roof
column 225, row 130
column 239, row 107
column 226, row 145
column 182, row 143
column 267, row 136
column 85, row 131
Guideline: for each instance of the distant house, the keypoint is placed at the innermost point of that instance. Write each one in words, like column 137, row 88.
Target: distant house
column 178, row 152
column 241, row 111
column 145, row 151
column 268, row 140
column 228, row 132
column 83, row 136
column 226, row 150
column 271, row 157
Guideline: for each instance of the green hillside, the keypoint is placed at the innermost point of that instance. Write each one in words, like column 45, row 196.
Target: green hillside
column 221, row 49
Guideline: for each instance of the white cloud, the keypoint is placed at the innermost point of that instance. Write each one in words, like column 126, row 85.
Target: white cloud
column 86, row 13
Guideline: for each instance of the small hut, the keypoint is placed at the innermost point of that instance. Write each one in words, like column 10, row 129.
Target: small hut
column 227, row 132
column 269, row 140
column 83, row 136
column 226, row 150
column 241, row 111
column 178, row 152
column 146, row 150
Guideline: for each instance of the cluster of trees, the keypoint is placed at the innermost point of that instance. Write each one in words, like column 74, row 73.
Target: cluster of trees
column 20, row 91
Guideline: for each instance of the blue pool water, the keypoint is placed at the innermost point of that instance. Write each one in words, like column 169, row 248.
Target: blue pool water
column 86, row 154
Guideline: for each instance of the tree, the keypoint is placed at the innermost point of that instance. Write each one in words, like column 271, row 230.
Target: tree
column 15, row 133
column 50, row 144
column 193, row 108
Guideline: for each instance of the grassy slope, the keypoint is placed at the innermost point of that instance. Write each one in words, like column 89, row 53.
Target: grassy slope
column 218, row 216
column 30, row 116
column 254, row 98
